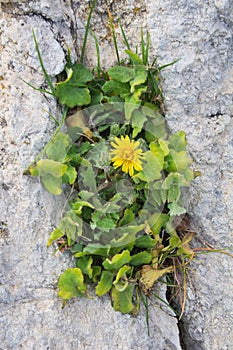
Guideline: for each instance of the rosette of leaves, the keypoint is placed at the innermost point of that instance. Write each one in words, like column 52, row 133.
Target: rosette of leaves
column 115, row 224
column 120, row 228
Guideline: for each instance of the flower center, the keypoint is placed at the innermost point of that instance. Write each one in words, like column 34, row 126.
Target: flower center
column 128, row 153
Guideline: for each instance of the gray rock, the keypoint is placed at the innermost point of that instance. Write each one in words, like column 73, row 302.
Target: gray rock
column 199, row 100
column 31, row 315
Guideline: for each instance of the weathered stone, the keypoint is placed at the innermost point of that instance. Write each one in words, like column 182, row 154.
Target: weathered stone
column 199, row 99
column 31, row 313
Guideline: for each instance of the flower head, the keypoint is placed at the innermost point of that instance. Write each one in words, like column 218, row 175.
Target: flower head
column 127, row 154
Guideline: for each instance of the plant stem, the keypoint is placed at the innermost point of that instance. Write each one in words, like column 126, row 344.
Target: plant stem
column 86, row 32
column 42, row 66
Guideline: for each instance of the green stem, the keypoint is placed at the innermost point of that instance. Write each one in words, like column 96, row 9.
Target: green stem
column 97, row 52
column 123, row 34
column 86, row 32
column 114, row 37
column 43, row 67
column 37, row 89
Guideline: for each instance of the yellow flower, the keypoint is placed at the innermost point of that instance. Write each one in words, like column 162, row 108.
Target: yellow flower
column 127, row 154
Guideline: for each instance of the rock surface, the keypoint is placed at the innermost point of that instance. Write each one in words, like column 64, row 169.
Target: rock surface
column 31, row 315
column 199, row 93
column 199, row 99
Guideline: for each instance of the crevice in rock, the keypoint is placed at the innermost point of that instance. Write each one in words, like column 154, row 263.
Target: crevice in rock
column 215, row 115
column 181, row 334
column 180, row 323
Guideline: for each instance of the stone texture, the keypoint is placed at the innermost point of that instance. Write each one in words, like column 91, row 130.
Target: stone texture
column 199, row 99
column 31, row 315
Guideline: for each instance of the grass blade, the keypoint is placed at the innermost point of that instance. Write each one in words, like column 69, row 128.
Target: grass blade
column 52, row 117
column 97, row 52
column 114, row 36
column 42, row 66
column 147, row 48
column 154, row 84
column 37, row 89
column 143, row 47
column 154, row 61
column 164, row 302
column 168, row 65
column 145, row 302
column 123, row 34
column 86, row 31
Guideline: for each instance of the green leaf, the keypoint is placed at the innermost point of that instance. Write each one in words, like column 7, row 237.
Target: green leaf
column 121, row 73
column 70, row 175
column 55, row 235
column 177, row 161
column 175, row 209
column 141, row 258
column 173, row 182
column 52, row 184
column 164, row 147
column 138, row 92
column 81, row 74
column 159, row 194
column 96, row 271
column 121, row 285
column 150, row 109
column 79, row 204
column 131, row 229
column 77, row 247
column 73, row 91
column 89, row 178
column 103, row 223
column 126, row 241
column 157, row 221
column 151, row 168
column 96, row 249
column 189, row 175
column 71, row 284
column 130, row 105
column 51, row 173
column 178, row 141
column 84, row 263
column 155, row 128
column 96, row 97
column 114, row 87
column 105, row 283
column 157, row 152
column 58, row 147
column 134, row 57
column 117, row 261
column 72, row 96
column 174, row 241
column 138, row 119
column 127, row 218
column 71, row 225
column 140, row 77
column 48, row 166
column 145, row 242
column 122, row 301
column 122, row 273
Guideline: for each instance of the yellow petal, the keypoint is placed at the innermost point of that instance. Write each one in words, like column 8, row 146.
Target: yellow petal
column 131, row 169
column 137, row 167
column 125, row 167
